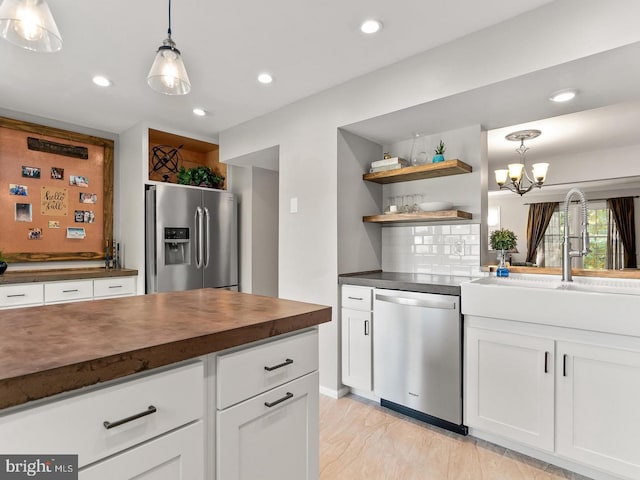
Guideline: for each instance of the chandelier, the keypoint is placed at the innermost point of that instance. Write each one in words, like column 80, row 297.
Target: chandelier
column 519, row 180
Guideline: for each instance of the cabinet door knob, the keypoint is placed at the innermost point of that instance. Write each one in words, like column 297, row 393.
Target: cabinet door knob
column 151, row 409
column 288, row 361
column 280, row 400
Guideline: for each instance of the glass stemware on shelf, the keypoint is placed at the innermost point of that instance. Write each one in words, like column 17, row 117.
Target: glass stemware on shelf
column 407, row 203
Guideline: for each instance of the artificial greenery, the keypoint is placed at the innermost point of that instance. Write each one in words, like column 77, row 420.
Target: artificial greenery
column 201, row 175
column 440, row 148
column 2, row 259
column 503, row 239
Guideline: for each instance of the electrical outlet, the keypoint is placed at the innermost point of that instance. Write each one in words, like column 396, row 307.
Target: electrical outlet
column 458, row 247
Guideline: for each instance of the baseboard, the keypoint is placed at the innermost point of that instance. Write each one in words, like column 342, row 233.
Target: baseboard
column 329, row 392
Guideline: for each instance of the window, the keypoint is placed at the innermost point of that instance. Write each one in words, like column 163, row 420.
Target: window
column 600, row 221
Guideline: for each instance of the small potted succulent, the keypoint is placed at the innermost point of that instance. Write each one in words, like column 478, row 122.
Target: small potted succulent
column 502, row 240
column 439, row 153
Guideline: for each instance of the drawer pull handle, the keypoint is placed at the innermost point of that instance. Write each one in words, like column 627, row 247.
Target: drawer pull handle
column 70, row 291
column 151, row 409
column 17, row 295
column 280, row 400
column 115, row 286
column 288, row 361
column 355, row 298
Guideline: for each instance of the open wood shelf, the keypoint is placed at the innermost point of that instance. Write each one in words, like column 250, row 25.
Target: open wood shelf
column 419, row 172
column 418, row 217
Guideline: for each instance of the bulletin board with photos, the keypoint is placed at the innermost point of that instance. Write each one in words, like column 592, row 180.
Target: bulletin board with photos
column 56, row 193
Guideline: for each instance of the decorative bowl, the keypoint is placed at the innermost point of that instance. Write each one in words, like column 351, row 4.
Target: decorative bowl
column 435, row 206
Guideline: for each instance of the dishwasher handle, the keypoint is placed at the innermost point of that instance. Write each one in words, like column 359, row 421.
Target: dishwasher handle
column 416, row 302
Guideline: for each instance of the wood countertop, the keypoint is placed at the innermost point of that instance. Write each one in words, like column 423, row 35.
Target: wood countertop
column 56, row 348
column 630, row 273
column 11, row 277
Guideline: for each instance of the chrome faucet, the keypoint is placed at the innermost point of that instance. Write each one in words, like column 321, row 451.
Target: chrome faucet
column 567, row 254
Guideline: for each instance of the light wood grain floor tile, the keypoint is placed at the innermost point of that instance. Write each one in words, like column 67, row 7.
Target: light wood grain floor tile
column 359, row 440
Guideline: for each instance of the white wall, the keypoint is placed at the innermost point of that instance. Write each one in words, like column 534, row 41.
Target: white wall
column 359, row 243
column 306, row 130
column 264, row 278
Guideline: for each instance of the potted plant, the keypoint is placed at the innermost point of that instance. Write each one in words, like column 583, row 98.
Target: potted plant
column 502, row 240
column 184, row 176
column 3, row 264
column 200, row 176
column 439, row 153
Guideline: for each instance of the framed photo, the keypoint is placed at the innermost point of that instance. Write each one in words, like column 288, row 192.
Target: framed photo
column 23, row 212
column 54, row 224
column 76, row 233
column 30, row 172
column 57, row 173
column 21, row 190
column 84, row 216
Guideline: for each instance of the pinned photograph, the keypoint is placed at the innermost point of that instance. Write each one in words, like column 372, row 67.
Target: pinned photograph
column 57, row 173
column 23, row 212
column 88, row 197
column 54, row 224
column 30, row 172
column 84, row 216
column 76, row 232
column 21, row 190
column 78, row 181
column 35, row 233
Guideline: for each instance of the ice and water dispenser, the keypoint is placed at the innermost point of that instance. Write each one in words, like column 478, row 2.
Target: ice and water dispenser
column 177, row 248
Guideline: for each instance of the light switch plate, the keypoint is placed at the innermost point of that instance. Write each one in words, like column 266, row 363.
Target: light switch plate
column 293, row 205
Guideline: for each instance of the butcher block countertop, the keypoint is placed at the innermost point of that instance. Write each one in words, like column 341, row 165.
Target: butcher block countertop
column 56, row 348
column 11, row 277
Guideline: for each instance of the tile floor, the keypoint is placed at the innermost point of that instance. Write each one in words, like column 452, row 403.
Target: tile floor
column 359, row 440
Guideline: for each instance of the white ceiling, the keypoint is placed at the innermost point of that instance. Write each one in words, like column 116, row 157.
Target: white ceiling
column 307, row 46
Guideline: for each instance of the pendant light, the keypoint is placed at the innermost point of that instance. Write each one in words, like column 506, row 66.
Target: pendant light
column 167, row 74
column 29, row 24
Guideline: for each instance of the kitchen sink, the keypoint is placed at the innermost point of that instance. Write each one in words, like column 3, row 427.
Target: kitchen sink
column 591, row 303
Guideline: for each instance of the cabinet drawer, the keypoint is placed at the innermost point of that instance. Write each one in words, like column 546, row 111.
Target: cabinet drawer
column 357, row 298
column 245, row 373
column 178, row 456
column 58, row 292
column 114, row 287
column 21, row 295
column 75, row 424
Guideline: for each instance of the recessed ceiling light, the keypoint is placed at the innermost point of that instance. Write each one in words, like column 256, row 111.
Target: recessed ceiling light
column 370, row 26
column 265, row 78
column 199, row 112
column 101, row 81
column 563, row 95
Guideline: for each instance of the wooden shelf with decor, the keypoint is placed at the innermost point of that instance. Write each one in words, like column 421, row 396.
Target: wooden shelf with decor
column 419, row 172
column 418, row 217
column 168, row 152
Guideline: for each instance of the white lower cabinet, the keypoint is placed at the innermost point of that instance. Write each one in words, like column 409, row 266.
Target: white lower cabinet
column 178, row 455
column 510, row 386
column 598, row 407
column 357, row 336
column 357, row 351
column 273, row 436
column 581, row 388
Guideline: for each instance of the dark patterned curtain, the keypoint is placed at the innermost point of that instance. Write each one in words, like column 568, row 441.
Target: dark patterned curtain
column 539, row 217
column 623, row 213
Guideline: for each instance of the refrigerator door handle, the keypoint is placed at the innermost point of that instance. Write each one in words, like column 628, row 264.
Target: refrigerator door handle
column 207, row 241
column 198, row 218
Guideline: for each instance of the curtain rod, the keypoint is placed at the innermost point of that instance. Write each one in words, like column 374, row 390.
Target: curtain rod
column 588, row 200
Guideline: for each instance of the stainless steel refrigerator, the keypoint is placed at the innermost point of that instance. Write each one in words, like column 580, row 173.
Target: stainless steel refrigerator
column 191, row 239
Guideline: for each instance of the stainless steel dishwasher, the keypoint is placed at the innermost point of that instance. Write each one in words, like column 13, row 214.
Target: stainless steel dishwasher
column 417, row 356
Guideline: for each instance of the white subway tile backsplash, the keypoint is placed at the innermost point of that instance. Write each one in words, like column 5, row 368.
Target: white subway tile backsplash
column 437, row 249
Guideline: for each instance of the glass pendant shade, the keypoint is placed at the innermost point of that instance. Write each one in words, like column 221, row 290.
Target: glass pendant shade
column 29, row 24
column 167, row 74
column 501, row 176
column 515, row 171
